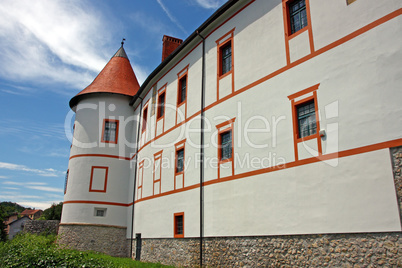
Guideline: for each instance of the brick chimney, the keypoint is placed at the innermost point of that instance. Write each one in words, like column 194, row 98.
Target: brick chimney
column 169, row 45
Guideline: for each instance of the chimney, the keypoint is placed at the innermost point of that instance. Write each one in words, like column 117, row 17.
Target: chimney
column 169, row 45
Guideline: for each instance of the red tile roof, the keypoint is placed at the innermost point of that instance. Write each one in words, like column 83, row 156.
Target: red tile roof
column 30, row 211
column 116, row 77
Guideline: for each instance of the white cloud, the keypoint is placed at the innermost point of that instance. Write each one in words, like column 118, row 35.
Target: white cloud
column 210, row 4
column 46, row 189
column 10, row 188
column 41, row 172
column 53, row 41
column 171, row 17
column 3, row 177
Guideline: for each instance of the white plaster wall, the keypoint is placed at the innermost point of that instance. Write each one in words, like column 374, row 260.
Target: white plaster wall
column 154, row 218
column 332, row 20
column 90, row 113
column 80, row 174
column 84, row 213
column 259, row 41
column 310, row 199
column 299, row 46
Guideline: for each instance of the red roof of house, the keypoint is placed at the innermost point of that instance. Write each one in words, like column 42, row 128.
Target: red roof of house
column 30, row 211
column 116, row 77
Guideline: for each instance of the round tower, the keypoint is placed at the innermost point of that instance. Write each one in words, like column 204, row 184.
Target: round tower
column 96, row 200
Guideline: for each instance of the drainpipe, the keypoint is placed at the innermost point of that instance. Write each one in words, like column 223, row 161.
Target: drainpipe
column 135, row 178
column 202, row 147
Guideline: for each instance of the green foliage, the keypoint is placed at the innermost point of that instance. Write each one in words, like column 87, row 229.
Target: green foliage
column 28, row 250
column 52, row 213
column 3, row 234
column 10, row 207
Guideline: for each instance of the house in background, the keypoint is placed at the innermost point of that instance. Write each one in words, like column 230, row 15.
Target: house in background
column 33, row 214
column 9, row 219
column 17, row 226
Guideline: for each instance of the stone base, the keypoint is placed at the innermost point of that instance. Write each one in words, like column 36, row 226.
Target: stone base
column 329, row 250
column 105, row 239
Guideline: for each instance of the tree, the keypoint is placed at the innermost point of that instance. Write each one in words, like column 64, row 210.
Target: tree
column 3, row 234
column 52, row 213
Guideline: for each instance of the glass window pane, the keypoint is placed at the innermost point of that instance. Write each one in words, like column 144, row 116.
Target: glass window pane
column 306, row 119
column 180, row 161
column 226, row 58
column 226, row 145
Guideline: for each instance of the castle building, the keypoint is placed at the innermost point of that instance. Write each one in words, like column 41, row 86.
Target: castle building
column 271, row 136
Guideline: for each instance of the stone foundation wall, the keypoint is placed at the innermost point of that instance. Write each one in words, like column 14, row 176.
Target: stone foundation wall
column 106, row 239
column 42, row 227
column 330, row 250
column 396, row 157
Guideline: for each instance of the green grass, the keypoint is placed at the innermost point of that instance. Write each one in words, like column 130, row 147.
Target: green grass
column 29, row 250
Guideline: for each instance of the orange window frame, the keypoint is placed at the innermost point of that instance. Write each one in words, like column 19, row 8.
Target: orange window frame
column 91, row 180
column 179, row 89
column 139, row 186
column 180, row 146
column 103, row 130
column 175, row 231
column 221, row 130
column 288, row 25
column 144, row 118
column 157, row 156
column 161, row 109
column 296, row 135
column 228, row 39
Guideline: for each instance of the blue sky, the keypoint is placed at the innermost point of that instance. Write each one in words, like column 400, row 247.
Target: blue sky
column 52, row 49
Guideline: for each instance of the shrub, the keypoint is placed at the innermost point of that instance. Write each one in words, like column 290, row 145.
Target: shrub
column 28, row 250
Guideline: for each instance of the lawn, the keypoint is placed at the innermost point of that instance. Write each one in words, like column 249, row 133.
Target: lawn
column 29, row 250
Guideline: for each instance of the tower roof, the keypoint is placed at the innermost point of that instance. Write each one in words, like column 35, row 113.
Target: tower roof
column 117, row 77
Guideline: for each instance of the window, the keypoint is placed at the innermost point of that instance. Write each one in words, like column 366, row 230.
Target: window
column 182, row 89
column 65, row 182
column 161, row 105
column 226, row 145
column 110, row 130
column 180, row 160
column 297, row 15
column 226, row 58
column 306, row 119
column 144, row 119
column 100, row 212
column 179, row 225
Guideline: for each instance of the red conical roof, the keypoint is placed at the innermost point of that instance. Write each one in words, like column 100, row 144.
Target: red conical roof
column 116, row 77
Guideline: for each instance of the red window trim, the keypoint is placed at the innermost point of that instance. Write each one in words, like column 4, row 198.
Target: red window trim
column 139, row 186
column 180, row 145
column 157, row 156
column 106, row 177
column 288, row 34
column 180, row 75
column 219, row 48
column 179, row 83
column 296, row 123
column 294, row 104
column 117, row 131
column 144, row 118
column 175, row 234
column 158, row 116
column 222, row 130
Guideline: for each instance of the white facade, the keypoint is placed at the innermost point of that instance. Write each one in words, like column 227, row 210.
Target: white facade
column 347, row 60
